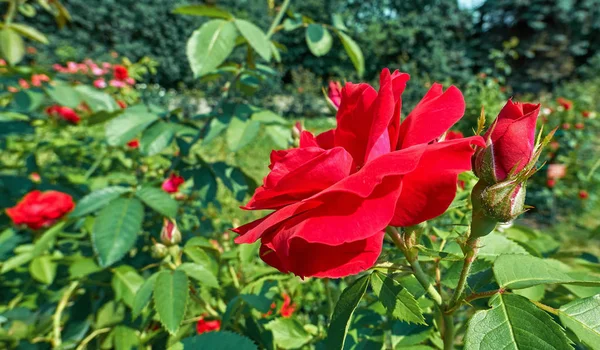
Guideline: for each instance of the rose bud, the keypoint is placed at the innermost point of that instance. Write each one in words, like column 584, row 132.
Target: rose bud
column 566, row 126
column 171, row 184
column 297, row 130
column 550, row 183
column 204, row 326
column 287, row 308
column 159, row 251
column 566, row 104
column 583, row 194
column 170, row 234
column 135, row 143
column 586, row 114
column 504, row 201
column 41, row 209
column 510, row 143
column 334, row 94
column 579, row 126
column 35, row 177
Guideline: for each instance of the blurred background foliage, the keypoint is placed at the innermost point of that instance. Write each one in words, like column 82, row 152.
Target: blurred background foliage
column 430, row 39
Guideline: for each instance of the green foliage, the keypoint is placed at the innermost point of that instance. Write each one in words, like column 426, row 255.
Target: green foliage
column 170, row 298
column 514, row 323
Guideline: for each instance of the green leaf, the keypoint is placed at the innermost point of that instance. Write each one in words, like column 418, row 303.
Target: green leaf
column 241, row 132
column 29, row 32
column 110, row 314
column 288, row 333
column 116, row 228
column 234, row 179
column 338, row 21
column 43, row 269
column 203, row 10
column 127, row 126
column 268, row 117
column 218, row 341
column 97, row 200
column 63, row 94
column 170, row 298
column 210, row 45
column 354, row 52
column 255, row 37
column 494, row 245
column 292, row 23
column 83, row 267
column 342, row 314
column 156, row 138
column 47, row 240
column 15, row 261
column 514, row 322
column 12, row 47
column 158, row 200
column 522, row 271
column 583, row 318
column 143, row 295
column 396, row 299
column 200, row 273
column 258, row 302
column 318, row 39
column 280, row 135
column 125, row 283
column 205, row 183
column 125, row 338
column 96, row 99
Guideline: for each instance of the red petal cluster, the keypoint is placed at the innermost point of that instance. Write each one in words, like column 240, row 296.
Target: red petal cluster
column 334, row 195
column 40, row 209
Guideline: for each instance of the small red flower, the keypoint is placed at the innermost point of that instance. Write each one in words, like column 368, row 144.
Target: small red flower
column 554, row 145
column 35, row 177
column 38, row 79
column 566, row 104
column 566, row 126
column 556, row 171
column 120, row 72
column 24, row 84
column 287, row 308
column 204, row 326
column 99, row 83
column 583, row 194
column 122, row 104
column 586, row 114
column 453, row 135
column 550, row 183
column 40, row 209
column 171, row 184
column 135, row 143
column 12, row 89
column 579, row 126
column 64, row 113
column 335, row 93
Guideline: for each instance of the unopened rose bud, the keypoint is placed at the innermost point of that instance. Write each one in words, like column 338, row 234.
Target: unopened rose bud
column 170, row 234
column 583, row 194
column 334, row 94
column 510, row 143
column 579, row 126
column 505, row 201
column 35, row 177
column 159, row 251
column 297, row 130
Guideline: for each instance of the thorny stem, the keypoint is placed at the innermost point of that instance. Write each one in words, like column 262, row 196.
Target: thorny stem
column 62, row 304
column 90, row 337
column 278, row 18
column 470, row 249
column 414, row 263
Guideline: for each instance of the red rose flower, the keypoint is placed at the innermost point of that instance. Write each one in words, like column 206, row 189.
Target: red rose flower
column 566, row 126
column 334, row 93
column 566, row 104
column 40, row 209
column 204, row 326
column 511, row 140
column 550, row 183
column 135, row 143
column 287, row 308
column 334, row 195
column 579, row 126
column 120, row 72
column 64, row 113
column 586, row 114
column 583, row 194
column 453, row 135
column 171, row 184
